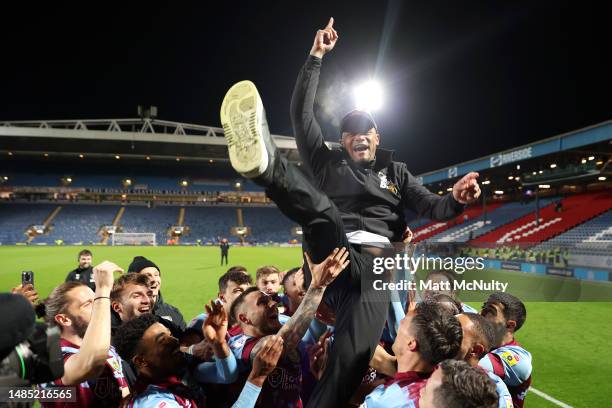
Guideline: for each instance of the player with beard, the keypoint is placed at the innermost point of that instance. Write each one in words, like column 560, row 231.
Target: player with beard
column 510, row 361
column 478, row 339
column 90, row 362
column 257, row 314
column 83, row 272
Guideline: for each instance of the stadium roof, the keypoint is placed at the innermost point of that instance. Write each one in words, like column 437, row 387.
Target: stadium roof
column 130, row 138
column 596, row 139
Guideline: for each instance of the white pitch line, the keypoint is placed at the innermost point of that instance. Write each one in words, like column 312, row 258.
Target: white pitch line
column 549, row 398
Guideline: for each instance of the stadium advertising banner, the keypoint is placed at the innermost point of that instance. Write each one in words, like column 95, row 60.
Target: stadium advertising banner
column 566, row 272
column 511, row 266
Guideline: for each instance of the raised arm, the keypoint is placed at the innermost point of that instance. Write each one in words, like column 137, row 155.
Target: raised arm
column 323, row 274
column 92, row 356
column 308, row 135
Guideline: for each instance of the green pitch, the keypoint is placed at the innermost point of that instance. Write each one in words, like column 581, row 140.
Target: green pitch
column 570, row 342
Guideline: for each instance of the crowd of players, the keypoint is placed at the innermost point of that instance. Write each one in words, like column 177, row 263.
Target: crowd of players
column 266, row 344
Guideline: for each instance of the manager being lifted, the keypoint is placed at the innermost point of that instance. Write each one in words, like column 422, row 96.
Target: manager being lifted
column 368, row 187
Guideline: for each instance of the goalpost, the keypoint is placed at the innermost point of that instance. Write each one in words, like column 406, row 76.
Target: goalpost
column 133, row 238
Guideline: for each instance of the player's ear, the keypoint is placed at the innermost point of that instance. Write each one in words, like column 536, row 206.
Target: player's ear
column 116, row 306
column 243, row 319
column 139, row 361
column 413, row 345
column 477, row 350
column 511, row 325
column 62, row 320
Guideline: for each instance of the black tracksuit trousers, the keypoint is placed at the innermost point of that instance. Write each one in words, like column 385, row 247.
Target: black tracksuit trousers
column 360, row 313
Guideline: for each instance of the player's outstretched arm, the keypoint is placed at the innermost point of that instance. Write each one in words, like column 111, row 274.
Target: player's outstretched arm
column 323, row 274
column 307, row 131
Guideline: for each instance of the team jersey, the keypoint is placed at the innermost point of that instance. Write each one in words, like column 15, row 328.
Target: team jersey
column 283, row 385
column 512, row 363
column 103, row 391
column 402, row 391
column 167, row 394
column 505, row 399
column 468, row 309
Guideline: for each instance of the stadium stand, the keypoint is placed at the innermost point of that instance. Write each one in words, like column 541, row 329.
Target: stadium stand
column 261, row 219
column 495, row 219
column 434, row 228
column 575, row 210
column 143, row 219
column 78, row 223
column 593, row 237
column 16, row 218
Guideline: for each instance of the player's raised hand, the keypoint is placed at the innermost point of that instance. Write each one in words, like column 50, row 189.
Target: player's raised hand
column 325, row 40
column 324, row 273
column 266, row 359
column 215, row 326
column 103, row 274
column 27, row 291
column 467, row 189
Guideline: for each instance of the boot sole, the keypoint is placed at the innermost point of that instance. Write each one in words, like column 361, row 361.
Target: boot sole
column 242, row 115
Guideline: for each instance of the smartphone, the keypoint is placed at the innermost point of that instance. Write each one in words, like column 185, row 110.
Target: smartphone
column 27, row 278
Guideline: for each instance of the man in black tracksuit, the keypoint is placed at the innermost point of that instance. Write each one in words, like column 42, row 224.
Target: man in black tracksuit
column 84, row 272
column 370, row 192
column 354, row 189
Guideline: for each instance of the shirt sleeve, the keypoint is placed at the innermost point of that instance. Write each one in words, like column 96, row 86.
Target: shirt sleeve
column 425, row 203
column 248, row 396
column 307, row 131
column 513, row 365
column 221, row 371
column 389, row 397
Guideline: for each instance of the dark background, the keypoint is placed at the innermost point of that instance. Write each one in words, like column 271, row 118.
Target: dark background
column 462, row 79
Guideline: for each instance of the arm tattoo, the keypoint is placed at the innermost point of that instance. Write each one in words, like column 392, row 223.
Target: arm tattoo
column 293, row 331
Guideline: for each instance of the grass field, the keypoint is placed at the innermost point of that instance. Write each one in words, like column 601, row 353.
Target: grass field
column 571, row 342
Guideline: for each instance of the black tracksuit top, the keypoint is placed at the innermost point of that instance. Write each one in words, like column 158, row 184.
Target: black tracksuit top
column 369, row 197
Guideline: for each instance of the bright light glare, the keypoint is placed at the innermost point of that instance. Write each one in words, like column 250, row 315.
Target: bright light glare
column 368, row 96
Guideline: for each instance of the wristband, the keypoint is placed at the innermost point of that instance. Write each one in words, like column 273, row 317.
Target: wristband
column 101, row 297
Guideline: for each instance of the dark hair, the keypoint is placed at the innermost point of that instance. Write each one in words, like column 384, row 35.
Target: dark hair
column 289, row 273
column 238, row 277
column 57, row 302
column 485, row 331
column 265, row 271
column 465, row 386
column 514, row 309
column 84, row 252
column 448, row 302
column 128, row 336
column 131, row 278
column 239, row 301
column 239, row 268
column 437, row 332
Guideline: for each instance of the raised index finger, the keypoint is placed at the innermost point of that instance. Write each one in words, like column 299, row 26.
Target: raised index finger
column 330, row 24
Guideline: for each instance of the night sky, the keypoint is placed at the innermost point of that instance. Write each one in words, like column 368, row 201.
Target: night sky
column 462, row 79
